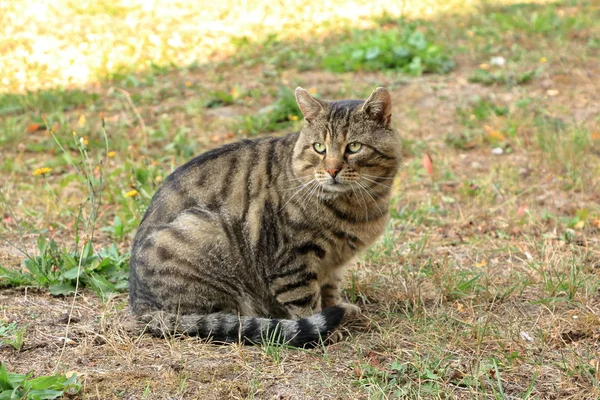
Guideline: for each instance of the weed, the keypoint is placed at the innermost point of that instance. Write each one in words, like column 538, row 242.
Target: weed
column 281, row 115
column 119, row 229
column 59, row 270
column 403, row 48
column 11, row 335
column 19, row 386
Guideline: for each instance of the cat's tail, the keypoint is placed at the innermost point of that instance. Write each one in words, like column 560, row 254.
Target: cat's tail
column 228, row 328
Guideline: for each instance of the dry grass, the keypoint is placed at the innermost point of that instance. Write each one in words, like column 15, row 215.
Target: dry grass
column 486, row 285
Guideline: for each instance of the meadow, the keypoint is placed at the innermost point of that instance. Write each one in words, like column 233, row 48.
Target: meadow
column 486, row 284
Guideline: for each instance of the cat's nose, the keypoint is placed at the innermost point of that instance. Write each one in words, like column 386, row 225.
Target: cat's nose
column 333, row 172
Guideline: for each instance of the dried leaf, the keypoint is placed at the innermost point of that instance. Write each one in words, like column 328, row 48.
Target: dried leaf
column 35, row 127
column 428, row 164
column 493, row 134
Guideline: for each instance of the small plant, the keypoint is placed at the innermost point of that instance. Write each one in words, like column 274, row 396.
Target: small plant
column 220, row 98
column 272, row 346
column 402, row 48
column 59, row 270
column 20, row 386
column 119, row 229
column 276, row 117
column 11, row 335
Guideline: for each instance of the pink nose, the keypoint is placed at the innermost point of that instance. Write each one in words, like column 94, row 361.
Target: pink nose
column 333, row 172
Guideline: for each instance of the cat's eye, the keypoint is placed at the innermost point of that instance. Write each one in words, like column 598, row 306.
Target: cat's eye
column 319, row 148
column 354, row 147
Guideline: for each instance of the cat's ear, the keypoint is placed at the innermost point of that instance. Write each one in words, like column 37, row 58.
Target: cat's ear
column 379, row 106
column 309, row 106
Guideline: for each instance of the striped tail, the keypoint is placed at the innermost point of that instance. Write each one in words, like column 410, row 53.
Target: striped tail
column 229, row 328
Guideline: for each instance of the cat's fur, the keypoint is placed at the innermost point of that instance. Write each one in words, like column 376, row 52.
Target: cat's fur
column 248, row 240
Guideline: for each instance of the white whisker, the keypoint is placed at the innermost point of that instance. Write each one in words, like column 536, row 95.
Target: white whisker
column 363, row 199
column 301, row 201
column 375, row 182
column 298, row 191
column 379, row 177
column 366, row 190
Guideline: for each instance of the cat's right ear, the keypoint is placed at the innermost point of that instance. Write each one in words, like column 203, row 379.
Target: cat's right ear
column 309, row 106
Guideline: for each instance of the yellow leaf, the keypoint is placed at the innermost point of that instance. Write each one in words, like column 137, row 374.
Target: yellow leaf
column 81, row 122
column 579, row 225
column 481, row 264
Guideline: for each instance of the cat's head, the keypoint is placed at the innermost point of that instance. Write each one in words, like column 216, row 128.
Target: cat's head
column 345, row 145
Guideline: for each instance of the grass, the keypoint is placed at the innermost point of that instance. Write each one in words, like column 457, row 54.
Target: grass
column 485, row 284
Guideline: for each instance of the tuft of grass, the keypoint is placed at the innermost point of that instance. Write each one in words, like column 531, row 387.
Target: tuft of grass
column 503, row 77
column 20, row 386
column 276, row 117
column 403, row 48
column 11, row 334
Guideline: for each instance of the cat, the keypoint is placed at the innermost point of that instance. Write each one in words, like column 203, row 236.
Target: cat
column 246, row 242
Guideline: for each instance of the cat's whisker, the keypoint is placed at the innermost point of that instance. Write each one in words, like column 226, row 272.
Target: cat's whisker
column 312, row 192
column 292, row 188
column 375, row 182
column 298, row 191
column 366, row 190
column 297, row 178
column 302, row 200
column 379, row 177
column 363, row 199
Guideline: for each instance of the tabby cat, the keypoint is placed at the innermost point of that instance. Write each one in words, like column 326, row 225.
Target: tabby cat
column 246, row 243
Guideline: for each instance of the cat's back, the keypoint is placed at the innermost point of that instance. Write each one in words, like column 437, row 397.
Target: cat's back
column 222, row 180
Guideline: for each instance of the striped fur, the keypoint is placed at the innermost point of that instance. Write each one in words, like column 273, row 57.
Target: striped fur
column 248, row 240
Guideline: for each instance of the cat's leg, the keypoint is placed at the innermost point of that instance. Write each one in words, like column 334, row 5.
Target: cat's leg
column 331, row 295
column 298, row 290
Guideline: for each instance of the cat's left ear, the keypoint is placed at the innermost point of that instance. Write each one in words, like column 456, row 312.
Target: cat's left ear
column 379, row 106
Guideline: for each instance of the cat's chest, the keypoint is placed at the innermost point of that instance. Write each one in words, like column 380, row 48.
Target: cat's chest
column 349, row 241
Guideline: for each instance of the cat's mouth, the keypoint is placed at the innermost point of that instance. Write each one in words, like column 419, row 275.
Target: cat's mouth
column 335, row 186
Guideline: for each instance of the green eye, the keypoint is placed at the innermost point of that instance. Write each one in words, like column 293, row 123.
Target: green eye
column 354, row 147
column 319, row 148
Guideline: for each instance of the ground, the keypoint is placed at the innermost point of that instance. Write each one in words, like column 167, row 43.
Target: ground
column 486, row 283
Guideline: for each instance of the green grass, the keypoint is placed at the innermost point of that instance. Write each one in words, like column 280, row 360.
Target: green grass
column 508, row 78
column 45, row 101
